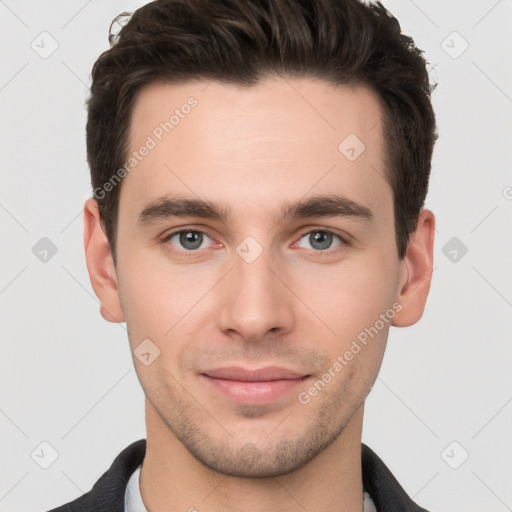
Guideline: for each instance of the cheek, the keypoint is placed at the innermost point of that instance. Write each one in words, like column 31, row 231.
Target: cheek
column 152, row 291
column 166, row 305
column 148, row 301
column 351, row 297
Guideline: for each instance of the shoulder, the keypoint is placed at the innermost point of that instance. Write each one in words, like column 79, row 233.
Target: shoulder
column 107, row 494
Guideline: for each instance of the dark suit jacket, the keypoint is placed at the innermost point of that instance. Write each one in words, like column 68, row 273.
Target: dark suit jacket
column 107, row 494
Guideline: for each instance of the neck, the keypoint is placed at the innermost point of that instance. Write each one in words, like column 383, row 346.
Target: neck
column 170, row 475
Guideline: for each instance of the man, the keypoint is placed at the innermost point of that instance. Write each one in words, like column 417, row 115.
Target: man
column 259, row 173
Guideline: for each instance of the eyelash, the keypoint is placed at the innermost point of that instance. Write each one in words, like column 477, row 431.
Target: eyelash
column 193, row 253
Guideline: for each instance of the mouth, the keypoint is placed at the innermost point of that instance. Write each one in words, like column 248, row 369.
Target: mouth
column 254, row 387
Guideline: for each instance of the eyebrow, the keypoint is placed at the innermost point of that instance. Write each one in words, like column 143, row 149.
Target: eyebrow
column 316, row 206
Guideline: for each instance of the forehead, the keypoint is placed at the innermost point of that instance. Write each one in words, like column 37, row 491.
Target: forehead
column 282, row 137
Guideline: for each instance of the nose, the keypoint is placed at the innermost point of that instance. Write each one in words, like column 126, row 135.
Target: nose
column 255, row 302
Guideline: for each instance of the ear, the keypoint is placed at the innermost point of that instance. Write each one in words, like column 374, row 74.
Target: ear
column 100, row 264
column 417, row 268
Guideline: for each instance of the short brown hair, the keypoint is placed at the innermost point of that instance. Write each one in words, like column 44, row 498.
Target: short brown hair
column 241, row 42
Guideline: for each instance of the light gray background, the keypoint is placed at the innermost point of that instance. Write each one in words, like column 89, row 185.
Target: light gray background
column 67, row 377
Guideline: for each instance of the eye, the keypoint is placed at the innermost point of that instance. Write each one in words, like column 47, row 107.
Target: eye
column 188, row 240
column 320, row 240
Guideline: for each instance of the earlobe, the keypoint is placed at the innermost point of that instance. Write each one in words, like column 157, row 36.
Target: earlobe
column 100, row 265
column 417, row 271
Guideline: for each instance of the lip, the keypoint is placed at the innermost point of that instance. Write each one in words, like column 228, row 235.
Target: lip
column 254, row 387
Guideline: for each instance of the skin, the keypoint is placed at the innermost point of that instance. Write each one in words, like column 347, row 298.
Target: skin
column 253, row 149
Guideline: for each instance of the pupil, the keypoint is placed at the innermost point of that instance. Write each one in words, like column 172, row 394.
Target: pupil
column 320, row 240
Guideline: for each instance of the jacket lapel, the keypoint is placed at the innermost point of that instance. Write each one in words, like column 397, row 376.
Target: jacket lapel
column 383, row 488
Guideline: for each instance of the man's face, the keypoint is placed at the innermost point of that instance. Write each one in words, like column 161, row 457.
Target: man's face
column 223, row 298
